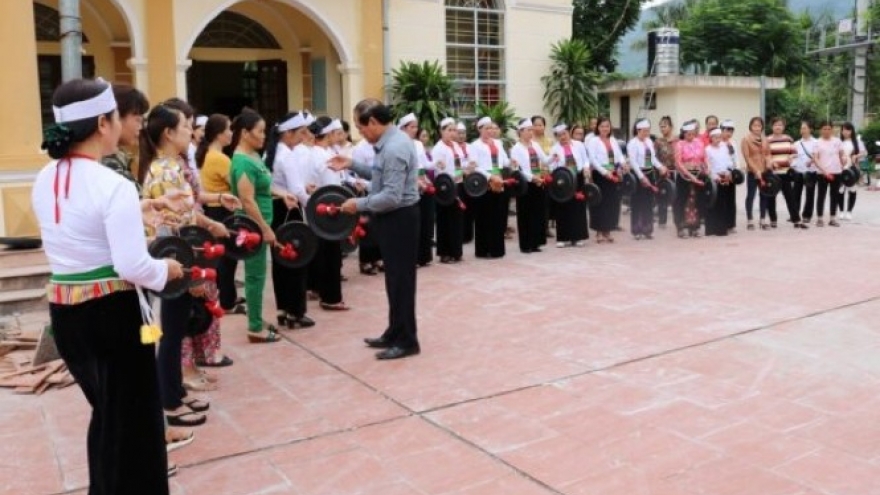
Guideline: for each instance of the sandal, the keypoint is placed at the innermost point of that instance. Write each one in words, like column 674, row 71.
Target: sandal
column 368, row 269
column 238, row 309
column 270, row 337
column 196, row 404
column 208, row 377
column 379, row 266
column 196, row 419
column 226, row 361
column 340, row 306
column 173, row 444
column 172, row 470
column 199, row 385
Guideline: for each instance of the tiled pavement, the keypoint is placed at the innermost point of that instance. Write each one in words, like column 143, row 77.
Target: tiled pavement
column 720, row 366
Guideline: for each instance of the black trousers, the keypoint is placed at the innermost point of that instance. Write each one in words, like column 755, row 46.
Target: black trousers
column 641, row 213
column 718, row 217
column 751, row 192
column 99, row 341
column 831, row 189
column 225, row 266
column 768, row 208
column 426, row 229
column 490, row 222
column 399, row 242
column 368, row 246
column 531, row 219
column 325, row 271
column 604, row 216
column 289, row 284
column 792, row 200
column 809, row 187
column 663, row 205
column 175, row 315
column 449, row 231
column 468, row 224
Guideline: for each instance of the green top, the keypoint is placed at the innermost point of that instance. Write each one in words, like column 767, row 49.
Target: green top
column 259, row 176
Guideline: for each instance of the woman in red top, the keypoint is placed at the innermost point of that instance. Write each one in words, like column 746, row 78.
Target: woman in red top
column 690, row 161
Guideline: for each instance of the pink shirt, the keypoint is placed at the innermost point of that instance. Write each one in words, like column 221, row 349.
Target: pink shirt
column 691, row 153
column 828, row 155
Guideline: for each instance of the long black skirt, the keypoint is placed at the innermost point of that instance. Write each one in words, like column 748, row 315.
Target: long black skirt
column 531, row 219
column 449, row 231
column 641, row 215
column 468, row 223
column 289, row 284
column 604, row 216
column 718, row 217
column 490, row 223
column 426, row 229
column 571, row 218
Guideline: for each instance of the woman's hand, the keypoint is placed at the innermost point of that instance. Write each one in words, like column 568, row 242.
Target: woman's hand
column 310, row 189
column 217, row 229
column 339, row 163
column 290, row 201
column 269, row 237
column 230, row 202
column 175, row 269
column 440, row 165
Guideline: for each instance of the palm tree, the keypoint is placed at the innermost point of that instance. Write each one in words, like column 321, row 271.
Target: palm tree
column 569, row 87
column 425, row 90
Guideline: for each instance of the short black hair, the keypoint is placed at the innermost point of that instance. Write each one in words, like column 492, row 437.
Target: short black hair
column 372, row 108
column 130, row 100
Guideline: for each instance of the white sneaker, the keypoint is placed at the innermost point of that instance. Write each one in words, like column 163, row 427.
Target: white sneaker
column 580, row 244
column 561, row 244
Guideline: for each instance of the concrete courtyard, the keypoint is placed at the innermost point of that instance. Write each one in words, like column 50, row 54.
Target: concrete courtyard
column 718, row 366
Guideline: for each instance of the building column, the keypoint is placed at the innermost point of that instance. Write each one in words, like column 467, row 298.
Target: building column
column 182, row 67
column 352, row 86
column 140, row 73
column 372, row 48
column 21, row 131
column 161, row 50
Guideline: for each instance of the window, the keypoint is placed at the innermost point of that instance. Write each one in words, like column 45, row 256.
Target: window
column 231, row 30
column 47, row 24
column 319, row 85
column 49, row 69
column 475, row 52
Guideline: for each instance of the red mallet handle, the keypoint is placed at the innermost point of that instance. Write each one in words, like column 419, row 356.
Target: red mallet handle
column 325, row 209
column 289, row 252
column 461, row 205
column 215, row 309
column 198, row 273
column 213, row 251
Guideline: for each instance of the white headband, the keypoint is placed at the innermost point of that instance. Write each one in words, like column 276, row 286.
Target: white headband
column 715, row 132
column 643, row 124
column 559, row 128
column 294, row 122
column 309, row 118
column 332, row 126
column 201, row 120
column 524, row 124
column 447, row 121
column 460, row 127
column 727, row 124
column 689, row 127
column 406, row 120
column 483, row 122
column 101, row 104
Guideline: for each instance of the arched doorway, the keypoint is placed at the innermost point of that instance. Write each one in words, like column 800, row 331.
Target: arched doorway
column 265, row 55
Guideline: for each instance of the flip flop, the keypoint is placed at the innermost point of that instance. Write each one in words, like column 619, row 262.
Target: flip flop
column 177, row 444
column 197, row 405
column 270, row 338
column 178, row 419
column 172, row 470
column 340, row 306
column 226, row 361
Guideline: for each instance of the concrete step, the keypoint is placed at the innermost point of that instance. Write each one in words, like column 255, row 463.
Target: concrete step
column 24, row 277
column 12, row 258
column 22, row 301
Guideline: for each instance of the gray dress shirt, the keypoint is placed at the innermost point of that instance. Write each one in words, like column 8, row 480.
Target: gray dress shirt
column 394, row 174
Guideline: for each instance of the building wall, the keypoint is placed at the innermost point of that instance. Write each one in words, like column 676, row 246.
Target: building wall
column 418, row 33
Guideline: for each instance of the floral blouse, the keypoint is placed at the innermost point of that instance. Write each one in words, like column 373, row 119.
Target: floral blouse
column 166, row 175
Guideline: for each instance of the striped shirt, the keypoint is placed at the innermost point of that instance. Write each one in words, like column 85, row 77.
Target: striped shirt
column 781, row 148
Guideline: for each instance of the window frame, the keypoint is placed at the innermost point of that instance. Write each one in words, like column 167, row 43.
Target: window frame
column 480, row 79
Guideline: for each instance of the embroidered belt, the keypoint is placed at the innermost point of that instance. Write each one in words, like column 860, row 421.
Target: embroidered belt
column 77, row 288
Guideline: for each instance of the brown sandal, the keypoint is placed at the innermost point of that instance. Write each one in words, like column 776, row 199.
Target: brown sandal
column 270, row 337
column 340, row 306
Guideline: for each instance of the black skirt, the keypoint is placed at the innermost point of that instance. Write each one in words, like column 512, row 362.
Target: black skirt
column 718, row 217
column 642, row 207
column 571, row 218
column 531, row 218
column 449, row 231
column 426, row 229
column 604, row 216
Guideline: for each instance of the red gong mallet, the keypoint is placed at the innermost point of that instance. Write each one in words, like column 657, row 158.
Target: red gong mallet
column 461, row 205
column 358, row 233
column 199, row 273
column 211, row 250
column 288, row 252
column 215, row 309
column 248, row 239
column 328, row 209
column 430, row 190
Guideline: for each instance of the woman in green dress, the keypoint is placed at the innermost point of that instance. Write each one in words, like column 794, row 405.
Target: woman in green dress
column 251, row 181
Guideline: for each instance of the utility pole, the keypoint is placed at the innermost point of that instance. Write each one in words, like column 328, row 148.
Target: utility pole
column 860, row 79
column 71, row 40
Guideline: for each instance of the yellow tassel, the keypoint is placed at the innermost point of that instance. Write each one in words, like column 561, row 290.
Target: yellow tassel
column 150, row 334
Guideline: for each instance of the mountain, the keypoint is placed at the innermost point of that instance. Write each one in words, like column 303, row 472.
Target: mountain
column 635, row 63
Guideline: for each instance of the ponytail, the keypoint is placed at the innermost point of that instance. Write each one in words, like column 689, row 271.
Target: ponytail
column 159, row 120
column 214, row 127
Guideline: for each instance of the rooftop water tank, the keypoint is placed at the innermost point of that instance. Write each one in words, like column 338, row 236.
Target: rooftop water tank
column 663, row 51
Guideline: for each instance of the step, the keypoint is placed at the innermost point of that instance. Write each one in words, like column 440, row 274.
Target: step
column 24, row 277
column 22, row 301
column 10, row 258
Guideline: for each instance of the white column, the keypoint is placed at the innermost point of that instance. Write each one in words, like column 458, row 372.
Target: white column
column 182, row 67
column 139, row 70
column 352, row 86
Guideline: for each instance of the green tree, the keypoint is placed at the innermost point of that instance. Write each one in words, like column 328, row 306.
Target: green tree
column 600, row 24
column 570, row 85
column 743, row 38
column 425, row 90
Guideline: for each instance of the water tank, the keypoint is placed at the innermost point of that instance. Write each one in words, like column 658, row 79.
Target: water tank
column 663, row 46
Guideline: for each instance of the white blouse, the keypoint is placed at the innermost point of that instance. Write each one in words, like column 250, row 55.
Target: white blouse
column 523, row 158
column 444, row 158
column 100, row 223
column 638, row 150
column 482, row 156
column 719, row 160
column 322, row 174
column 806, row 149
column 578, row 152
column 599, row 155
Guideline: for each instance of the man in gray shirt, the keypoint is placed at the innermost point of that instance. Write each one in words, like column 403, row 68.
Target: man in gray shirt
column 393, row 201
